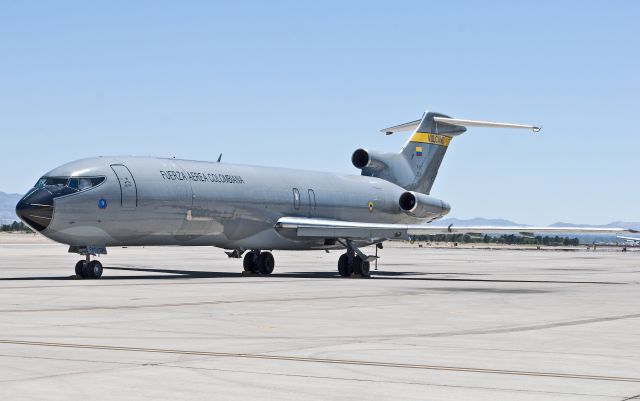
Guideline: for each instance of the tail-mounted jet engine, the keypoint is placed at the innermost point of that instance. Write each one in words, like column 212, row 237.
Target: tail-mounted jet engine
column 392, row 167
column 422, row 206
column 362, row 158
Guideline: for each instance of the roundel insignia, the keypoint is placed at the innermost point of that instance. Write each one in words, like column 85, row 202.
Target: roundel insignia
column 370, row 207
column 102, row 203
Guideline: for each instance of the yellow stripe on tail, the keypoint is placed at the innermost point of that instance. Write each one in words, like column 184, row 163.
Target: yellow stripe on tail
column 425, row 137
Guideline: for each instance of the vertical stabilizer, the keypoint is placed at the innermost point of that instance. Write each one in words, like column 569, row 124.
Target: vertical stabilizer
column 425, row 150
column 416, row 166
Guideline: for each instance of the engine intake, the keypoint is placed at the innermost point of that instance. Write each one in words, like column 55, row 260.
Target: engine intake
column 422, row 206
column 388, row 166
column 408, row 201
column 360, row 158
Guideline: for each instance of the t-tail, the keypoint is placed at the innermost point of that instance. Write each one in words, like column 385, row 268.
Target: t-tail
column 416, row 166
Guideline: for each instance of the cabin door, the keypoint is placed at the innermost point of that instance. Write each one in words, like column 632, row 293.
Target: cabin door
column 128, row 190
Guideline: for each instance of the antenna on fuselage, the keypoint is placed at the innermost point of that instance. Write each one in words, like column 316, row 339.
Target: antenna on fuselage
column 220, row 158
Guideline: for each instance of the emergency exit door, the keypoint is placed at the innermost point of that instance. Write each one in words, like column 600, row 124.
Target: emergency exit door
column 312, row 202
column 128, row 190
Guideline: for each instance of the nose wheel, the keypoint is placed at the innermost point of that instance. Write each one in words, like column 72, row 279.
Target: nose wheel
column 89, row 269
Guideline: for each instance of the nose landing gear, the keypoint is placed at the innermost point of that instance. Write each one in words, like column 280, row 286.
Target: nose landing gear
column 89, row 269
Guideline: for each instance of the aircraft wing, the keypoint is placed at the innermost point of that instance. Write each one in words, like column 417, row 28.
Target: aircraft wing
column 629, row 238
column 309, row 227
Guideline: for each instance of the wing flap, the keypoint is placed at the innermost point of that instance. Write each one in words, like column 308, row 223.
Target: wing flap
column 353, row 232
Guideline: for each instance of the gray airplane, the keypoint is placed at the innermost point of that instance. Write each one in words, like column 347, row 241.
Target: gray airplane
column 101, row 202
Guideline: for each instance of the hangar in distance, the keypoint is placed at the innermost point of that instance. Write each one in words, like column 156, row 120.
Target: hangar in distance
column 100, row 202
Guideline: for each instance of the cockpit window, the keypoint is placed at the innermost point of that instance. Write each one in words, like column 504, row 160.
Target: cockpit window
column 82, row 183
column 76, row 183
column 58, row 181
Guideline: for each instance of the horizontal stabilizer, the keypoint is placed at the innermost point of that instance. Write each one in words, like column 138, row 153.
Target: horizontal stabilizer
column 478, row 123
column 412, row 125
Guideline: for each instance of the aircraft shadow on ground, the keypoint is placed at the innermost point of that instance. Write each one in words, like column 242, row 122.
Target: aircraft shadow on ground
column 172, row 274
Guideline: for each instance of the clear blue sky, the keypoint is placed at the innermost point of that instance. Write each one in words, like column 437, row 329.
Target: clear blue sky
column 304, row 83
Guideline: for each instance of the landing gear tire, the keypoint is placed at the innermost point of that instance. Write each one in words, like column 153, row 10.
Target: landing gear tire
column 361, row 267
column 356, row 265
column 92, row 270
column 365, row 267
column 266, row 263
column 249, row 263
column 343, row 265
column 79, row 268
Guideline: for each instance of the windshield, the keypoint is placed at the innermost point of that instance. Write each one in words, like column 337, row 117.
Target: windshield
column 60, row 181
column 75, row 183
column 82, row 183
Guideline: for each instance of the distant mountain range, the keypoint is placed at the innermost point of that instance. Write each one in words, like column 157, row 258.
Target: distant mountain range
column 584, row 238
column 478, row 221
column 481, row 221
column 622, row 224
column 8, row 207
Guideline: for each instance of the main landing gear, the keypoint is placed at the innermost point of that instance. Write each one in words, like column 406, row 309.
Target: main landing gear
column 355, row 266
column 91, row 269
column 258, row 262
column 354, row 263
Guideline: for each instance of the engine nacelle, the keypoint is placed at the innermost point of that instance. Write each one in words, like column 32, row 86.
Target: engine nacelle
column 422, row 206
column 363, row 158
column 392, row 167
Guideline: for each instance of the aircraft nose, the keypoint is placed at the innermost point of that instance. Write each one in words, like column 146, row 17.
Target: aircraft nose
column 36, row 208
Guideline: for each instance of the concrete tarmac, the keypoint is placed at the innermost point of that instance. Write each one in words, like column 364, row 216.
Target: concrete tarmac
column 432, row 324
